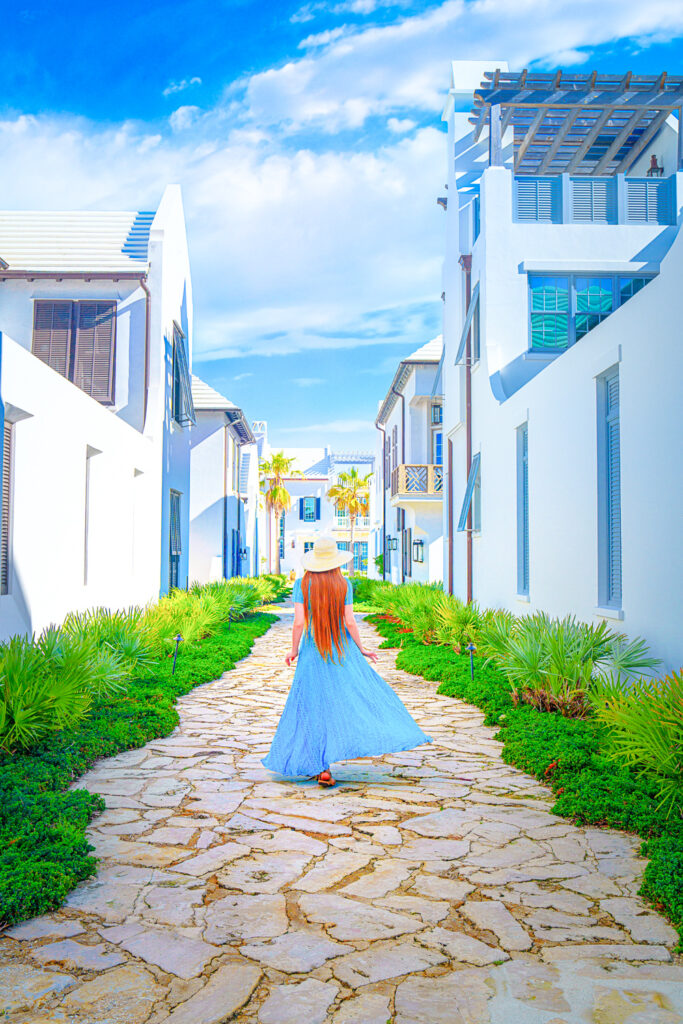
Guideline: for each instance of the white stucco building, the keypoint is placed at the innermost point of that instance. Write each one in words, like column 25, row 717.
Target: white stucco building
column 96, row 322
column 409, row 484
column 562, row 347
column 223, row 489
column 312, row 512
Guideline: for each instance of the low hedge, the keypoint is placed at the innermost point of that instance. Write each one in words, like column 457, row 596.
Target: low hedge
column 43, row 849
column 565, row 754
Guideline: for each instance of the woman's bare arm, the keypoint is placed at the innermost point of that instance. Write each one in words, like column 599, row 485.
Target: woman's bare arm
column 352, row 626
column 297, row 630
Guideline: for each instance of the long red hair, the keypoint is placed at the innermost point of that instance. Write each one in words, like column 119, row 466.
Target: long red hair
column 324, row 596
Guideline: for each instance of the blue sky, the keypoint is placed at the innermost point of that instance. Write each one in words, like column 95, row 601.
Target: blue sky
column 308, row 142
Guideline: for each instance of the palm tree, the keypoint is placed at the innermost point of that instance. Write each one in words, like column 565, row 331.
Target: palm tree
column 351, row 494
column 278, row 499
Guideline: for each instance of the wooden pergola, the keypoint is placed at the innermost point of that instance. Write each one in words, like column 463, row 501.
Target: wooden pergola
column 589, row 124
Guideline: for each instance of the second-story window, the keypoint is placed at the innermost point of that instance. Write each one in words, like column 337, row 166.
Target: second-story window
column 437, row 414
column 437, row 448
column 309, row 509
column 182, row 404
column 564, row 309
column 78, row 340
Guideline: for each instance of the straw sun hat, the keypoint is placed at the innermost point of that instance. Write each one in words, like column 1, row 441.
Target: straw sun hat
column 324, row 556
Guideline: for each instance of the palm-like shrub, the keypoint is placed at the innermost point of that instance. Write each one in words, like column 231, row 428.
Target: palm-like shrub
column 553, row 663
column 121, row 632
column 457, row 623
column 414, row 604
column 645, row 729
column 50, row 683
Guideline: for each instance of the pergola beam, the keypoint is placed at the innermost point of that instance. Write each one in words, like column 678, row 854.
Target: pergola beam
column 617, row 143
column 590, row 138
column 644, row 140
column 528, row 138
column 559, row 139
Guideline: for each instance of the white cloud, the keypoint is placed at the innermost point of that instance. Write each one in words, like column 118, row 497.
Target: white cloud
column 185, row 83
column 322, row 38
column 242, row 376
column 183, row 118
column 394, row 69
column 401, row 125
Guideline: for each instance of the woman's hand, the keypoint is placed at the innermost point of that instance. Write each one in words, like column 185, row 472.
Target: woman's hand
column 370, row 655
column 292, row 656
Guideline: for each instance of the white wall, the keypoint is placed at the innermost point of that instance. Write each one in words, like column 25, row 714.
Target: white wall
column 643, row 339
column 56, row 426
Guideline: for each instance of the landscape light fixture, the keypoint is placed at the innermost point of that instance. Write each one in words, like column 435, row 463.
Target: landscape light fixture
column 470, row 650
column 178, row 640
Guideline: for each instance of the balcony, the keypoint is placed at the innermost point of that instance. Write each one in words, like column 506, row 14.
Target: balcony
column 410, row 482
column 342, row 521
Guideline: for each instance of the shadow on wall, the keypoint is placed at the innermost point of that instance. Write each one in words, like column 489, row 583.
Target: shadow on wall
column 18, row 619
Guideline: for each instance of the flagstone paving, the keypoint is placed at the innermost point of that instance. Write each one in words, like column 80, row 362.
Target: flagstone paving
column 433, row 886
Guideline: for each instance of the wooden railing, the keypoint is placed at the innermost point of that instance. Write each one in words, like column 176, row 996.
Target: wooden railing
column 417, row 480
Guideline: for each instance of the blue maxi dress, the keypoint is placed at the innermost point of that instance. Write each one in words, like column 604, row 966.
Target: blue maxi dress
column 337, row 710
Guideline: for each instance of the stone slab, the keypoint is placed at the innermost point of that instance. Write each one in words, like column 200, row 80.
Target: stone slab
column 227, row 991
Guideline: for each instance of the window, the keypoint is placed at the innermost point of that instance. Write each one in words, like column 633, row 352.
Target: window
column 394, row 448
column 6, row 511
column 564, row 309
column 476, row 336
column 407, row 551
column 476, row 503
column 309, row 509
column 594, row 200
column 236, row 455
column 437, row 448
column 549, row 312
column 78, row 340
column 469, row 494
column 609, row 491
column 308, row 546
column 175, row 548
column 523, row 509
column 281, row 540
column 182, row 404
column 594, row 299
column 437, row 414
column 360, row 556
column 387, row 462
column 476, row 218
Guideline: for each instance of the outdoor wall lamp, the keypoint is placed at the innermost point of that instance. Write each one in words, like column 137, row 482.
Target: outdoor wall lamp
column 243, row 552
column 392, row 543
column 418, row 551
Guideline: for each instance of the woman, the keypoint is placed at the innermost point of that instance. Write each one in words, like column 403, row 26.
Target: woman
column 338, row 707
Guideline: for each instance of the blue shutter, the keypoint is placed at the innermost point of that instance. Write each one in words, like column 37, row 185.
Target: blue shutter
column 594, row 200
column 523, row 509
column 538, row 199
column 649, row 201
column 317, row 508
column 301, row 508
column 469, row 491
column 613, row 491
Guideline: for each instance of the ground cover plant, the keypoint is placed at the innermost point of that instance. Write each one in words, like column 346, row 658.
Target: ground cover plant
column 43, row 849
column 618, row 764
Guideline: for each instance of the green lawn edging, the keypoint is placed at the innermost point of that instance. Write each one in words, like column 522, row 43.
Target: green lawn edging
column 565, row 754
column 44, row 852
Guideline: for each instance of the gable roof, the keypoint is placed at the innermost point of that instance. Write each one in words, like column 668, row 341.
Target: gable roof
column 72, row 241
column 428, row 353
column 207, row 399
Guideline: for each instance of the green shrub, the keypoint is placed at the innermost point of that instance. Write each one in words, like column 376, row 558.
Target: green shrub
column 645, row 730
column 43, row 849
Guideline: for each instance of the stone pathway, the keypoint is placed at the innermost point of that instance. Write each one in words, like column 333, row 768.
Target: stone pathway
column 431, row 887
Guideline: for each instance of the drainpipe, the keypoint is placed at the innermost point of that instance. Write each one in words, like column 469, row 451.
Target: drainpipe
column 225, row 503
column 466, row 264
column 384, row 500
column 148, row 303
column 400, row 395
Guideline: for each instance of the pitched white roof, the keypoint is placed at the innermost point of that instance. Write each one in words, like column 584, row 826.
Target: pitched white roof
column 207, row 398
column 83, row 240
column 427, row 353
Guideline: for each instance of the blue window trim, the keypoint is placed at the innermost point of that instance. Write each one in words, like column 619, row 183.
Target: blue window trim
column 572, row 310
column 469, row 492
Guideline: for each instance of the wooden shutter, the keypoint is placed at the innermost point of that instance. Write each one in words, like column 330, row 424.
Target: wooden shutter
column 613, row 465
column 95, row 343
column 594, row 200
column 301, row 508
column 52, row 334
column 5, row 517
column 317, row 508
column 538, row 199
column 523, row 510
